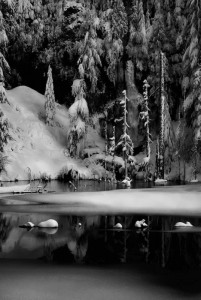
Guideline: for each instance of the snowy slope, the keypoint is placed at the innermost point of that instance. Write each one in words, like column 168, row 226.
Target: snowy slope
column 42, row 148
column 36, row 145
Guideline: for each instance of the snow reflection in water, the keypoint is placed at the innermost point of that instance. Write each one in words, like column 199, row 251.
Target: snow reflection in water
column 92, row 239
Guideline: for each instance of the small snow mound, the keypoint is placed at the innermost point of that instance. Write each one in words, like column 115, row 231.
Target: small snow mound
column 139, row 224
column 51, row 223
column 118, row 226
column 194, row 181
column 182, row 224
column 160, row 181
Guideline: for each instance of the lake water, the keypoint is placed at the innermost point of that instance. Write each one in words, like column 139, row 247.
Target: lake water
column 86, row 258
column 86, row 185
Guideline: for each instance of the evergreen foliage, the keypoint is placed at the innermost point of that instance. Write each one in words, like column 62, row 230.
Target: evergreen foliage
column 4, row 66
column 137, row 47
column 50, row 106
column 106, row 142
column 114, row 24
column 79, row 115
column 90, row 49
column 3, row 162
column 162, row 115
column 4, row 125
column 3, row 96
column 4, row 132
column 191, row 83
column 125, row 141
column 112, row 152
column 92, row 44
column 144, row 114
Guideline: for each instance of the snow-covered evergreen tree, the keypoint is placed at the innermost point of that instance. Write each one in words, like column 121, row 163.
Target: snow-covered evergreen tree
column 191, row 83
column 4, row 125
column 157, row 159
column 79, row 114
column 112, row 152
column 3, row 94
column 160, row 39
column 137, row 47
column 90, row 48
column 144, row 114
column 178, row 140
column 166, row 135
column 4, row 132
column 4, row 66
column 195, row 159
column 114, row 25
column 3, row 35
column 3, row 162
column 162, row 112
column 50, row 106
column 125, row 141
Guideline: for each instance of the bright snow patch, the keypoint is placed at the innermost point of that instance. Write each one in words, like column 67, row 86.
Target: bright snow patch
column 160, row 181
column 36, row 146
column 194, row 181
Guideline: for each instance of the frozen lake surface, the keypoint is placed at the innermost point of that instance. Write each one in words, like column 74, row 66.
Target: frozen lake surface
column 86, row 258
column 169, row 200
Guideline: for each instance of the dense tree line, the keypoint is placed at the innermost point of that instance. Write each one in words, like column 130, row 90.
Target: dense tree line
column 104, row 46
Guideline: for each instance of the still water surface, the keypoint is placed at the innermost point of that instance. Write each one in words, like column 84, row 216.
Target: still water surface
column 86, row 185
column 86, row 258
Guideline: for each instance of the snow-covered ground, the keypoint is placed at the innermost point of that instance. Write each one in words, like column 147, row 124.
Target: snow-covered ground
column 155, row 201
column 36, row 146
column 42, row 149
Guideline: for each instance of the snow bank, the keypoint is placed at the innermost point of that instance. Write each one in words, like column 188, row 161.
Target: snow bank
column 173, row 201
column 36, row 145
column 42, row 149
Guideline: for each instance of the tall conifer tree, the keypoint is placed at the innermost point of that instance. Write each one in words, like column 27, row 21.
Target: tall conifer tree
column 192, row 60
column 79, row 114
column 4, row 131
column 137, row 44
column 115, row 27
column 125, row 141
column 50, row 106
column 145, row 117
column 4, row 125
column 4, row 66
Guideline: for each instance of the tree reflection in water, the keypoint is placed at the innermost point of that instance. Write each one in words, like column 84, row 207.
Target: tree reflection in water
column 5, row 228
column 93, row 239
column 78, row 240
